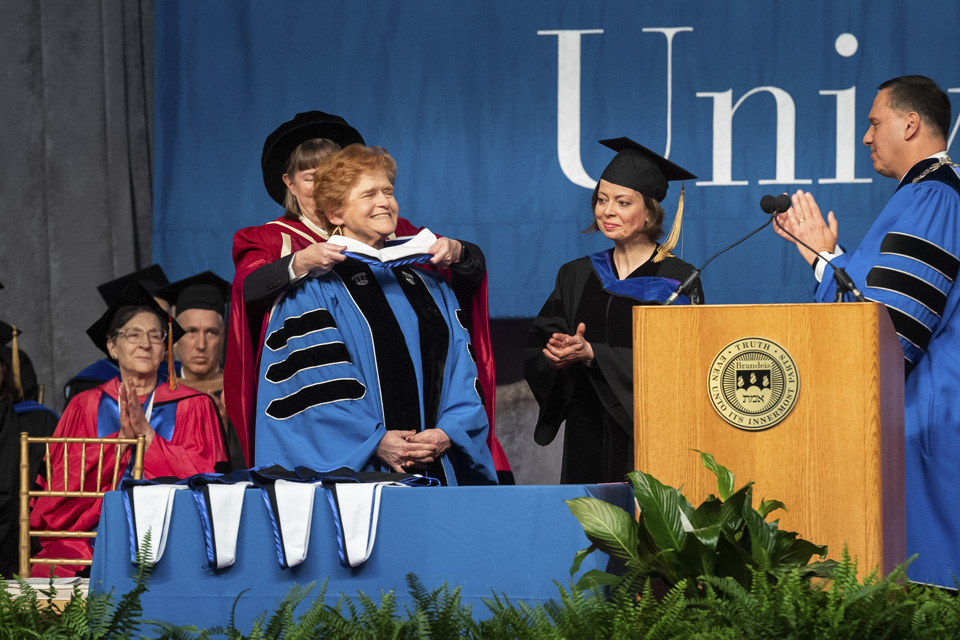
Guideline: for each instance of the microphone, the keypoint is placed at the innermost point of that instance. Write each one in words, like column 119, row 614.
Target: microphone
column 780, row 204
column 687, row 283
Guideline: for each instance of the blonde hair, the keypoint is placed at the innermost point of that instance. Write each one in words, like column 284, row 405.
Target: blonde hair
column 306, row 156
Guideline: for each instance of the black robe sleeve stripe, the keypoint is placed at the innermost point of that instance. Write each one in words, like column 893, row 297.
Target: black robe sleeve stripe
column 923, row 251
column 319, row 355
column 299, row 326
column 910, row 286
column 316, row 394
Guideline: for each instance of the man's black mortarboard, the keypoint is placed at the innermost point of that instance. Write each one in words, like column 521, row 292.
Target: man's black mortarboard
column 9, row 332
column 134, row 295
column 1, row 285
column 204, row 290
column 638, row 168
column 151, row 278
column 288, row 136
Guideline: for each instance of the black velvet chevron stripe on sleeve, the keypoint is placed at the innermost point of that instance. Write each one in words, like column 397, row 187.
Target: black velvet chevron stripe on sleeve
column 298, row 326
column 915, row 248
column 316, row 394
column 316, row 356
column 909, row 285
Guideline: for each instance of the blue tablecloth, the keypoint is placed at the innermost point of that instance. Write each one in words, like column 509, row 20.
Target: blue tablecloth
column 506, row 540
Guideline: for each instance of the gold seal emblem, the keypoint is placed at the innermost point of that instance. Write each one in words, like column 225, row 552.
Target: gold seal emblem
column 753, row 383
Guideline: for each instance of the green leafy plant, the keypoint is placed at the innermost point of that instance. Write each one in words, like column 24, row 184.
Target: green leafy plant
column 724, row 537
column 792, row 606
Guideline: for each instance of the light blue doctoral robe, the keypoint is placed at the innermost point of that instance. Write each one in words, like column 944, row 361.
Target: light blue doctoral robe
column 330, row 383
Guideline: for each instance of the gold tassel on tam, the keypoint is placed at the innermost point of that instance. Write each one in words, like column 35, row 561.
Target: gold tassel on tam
column 664, row 250
column 15, row 363
column 171, row 372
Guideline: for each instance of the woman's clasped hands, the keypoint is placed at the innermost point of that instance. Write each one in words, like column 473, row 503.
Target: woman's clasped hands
column 407, row 451
column 133, row 421
column 563, row 350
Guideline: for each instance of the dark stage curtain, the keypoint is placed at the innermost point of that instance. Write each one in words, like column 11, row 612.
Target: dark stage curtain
column 75, row 168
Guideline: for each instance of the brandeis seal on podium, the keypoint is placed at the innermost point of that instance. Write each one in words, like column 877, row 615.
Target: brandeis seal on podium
column 753, row 383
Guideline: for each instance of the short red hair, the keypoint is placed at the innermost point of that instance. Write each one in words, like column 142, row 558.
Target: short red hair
column 337, row 174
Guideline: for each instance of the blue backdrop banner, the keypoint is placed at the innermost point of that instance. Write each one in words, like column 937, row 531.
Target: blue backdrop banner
column 493, row 108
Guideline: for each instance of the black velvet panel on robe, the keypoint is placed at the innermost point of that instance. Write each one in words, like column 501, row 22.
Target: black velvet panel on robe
column 398, row 380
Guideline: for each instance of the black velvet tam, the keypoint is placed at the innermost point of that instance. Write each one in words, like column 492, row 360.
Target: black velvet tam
column 305, row 126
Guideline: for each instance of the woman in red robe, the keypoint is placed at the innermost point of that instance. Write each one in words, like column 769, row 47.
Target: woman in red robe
column 272, row 258
column 180, row 426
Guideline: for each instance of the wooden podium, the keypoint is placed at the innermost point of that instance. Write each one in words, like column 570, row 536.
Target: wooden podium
column 835, row 460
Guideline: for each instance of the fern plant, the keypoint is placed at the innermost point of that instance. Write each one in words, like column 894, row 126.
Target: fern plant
column 99, row 616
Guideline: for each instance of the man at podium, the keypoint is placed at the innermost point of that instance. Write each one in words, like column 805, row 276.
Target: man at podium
column 908, row 260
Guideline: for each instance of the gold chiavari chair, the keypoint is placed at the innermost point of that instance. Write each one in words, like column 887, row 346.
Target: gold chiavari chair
column 83, row 492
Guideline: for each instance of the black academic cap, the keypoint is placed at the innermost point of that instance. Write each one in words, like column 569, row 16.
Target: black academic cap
column 134, row 295
column 290, row 135
column 640, row 169
column 204, row 290
column 1, row 285
column 7, row 332
column 151, row 278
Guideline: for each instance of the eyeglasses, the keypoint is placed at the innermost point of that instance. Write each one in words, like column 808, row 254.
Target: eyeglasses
column 135, row 336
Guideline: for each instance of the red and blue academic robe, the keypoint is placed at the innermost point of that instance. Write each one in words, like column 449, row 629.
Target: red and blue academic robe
column 255, row 247
column 187, row 442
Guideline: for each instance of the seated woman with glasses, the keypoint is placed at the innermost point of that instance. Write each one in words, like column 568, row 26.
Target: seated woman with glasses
column 180, row 425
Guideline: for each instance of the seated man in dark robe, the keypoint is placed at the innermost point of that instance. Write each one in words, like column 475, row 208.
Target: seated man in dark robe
column 199, row 304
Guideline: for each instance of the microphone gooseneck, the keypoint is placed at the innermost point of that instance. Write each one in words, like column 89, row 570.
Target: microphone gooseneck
column 845, row 283
column 687, row 283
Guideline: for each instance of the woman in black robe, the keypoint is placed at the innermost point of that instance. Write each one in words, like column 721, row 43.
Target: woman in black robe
column 579, row 357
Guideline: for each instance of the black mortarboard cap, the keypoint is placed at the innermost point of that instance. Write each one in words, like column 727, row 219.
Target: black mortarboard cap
column 7, row 332
column 305, row 126
column 151, row 278
column 204, row 290
column 640, row 169
column 134, row 295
